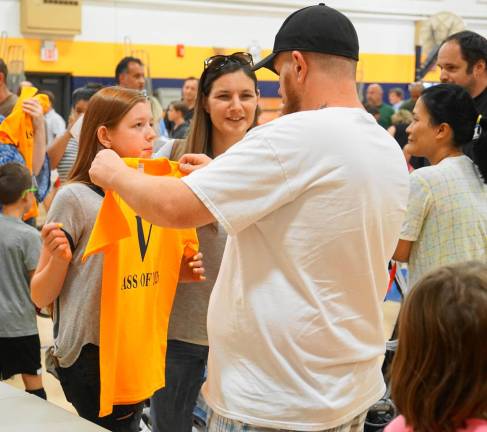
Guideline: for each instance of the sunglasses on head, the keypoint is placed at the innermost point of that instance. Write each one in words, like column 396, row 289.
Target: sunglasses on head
column 219, row 61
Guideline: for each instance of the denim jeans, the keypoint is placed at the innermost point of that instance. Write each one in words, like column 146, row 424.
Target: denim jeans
column 172, row 406
column 81, row 386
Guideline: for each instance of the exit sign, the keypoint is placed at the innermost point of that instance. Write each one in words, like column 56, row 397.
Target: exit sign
column 49, row 52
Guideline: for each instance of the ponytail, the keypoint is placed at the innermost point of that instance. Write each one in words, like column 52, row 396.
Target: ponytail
column 480, row 146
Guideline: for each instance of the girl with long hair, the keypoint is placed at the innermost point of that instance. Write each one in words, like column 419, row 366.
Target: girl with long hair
column 119, row 119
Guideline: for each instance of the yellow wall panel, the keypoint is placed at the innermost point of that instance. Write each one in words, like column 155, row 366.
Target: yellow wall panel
column 99, row 59
column 385, row 68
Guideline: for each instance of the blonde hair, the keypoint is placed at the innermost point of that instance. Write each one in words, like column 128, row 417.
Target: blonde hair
column 402, row 116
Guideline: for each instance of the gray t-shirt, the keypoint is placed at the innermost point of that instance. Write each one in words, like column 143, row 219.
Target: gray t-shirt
column 77, row 309
column 7, row 105
column 20, row 246
column 188, row 316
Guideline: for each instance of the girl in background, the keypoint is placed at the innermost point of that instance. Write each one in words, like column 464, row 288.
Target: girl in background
column 439, row 373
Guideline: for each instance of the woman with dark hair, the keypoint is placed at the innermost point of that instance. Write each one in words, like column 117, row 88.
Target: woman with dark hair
column 225, row 110
column 446, row 221
column 439, row 374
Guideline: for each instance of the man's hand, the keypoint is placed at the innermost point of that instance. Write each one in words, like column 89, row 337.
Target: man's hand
column 33, row 108
column 192, row 162
column 105, row 167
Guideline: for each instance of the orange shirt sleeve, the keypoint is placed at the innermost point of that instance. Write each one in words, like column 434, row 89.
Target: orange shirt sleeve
column 110, row 226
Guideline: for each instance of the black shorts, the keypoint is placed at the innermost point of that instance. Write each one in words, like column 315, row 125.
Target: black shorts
column 20, row 355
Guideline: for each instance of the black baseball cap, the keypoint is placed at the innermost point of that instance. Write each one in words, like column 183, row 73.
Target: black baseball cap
column 316, row 28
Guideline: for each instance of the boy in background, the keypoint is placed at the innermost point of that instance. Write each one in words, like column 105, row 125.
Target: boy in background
column 176, row 114
column 19, row 253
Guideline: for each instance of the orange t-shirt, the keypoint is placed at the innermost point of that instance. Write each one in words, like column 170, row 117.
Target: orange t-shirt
column 17, row 130
column 140, row 274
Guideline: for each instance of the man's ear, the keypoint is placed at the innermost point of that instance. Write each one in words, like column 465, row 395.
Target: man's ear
column 299, row 65
column 122, row 79
column 480, row 68
column 103, row 135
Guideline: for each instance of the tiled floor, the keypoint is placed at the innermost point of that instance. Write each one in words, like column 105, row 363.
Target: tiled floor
column 54, row 390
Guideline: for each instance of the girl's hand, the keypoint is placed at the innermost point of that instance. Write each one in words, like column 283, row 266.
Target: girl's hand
column 55, row 242
column 192, row 269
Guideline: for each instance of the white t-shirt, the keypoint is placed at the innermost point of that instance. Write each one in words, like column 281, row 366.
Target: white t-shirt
column 75, row 130
column 55, row 125
column 446, row 217
column 313, row 203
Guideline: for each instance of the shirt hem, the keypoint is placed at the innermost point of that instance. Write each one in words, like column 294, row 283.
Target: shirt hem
column 305, row 427
column 408, row 237
column 19, row 334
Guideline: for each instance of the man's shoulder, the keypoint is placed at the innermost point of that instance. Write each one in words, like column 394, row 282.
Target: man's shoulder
column 59, row 118
column 387, row 109
column 10, row 100
column 481, row 102
column 8, row 103
column 407, row 105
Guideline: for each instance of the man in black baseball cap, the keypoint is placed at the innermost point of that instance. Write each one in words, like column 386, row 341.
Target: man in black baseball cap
column 313, row 204
column 318, row 29
column 315, row 53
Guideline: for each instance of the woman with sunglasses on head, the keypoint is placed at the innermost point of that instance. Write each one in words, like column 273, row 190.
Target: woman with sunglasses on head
column 446, row 220
column 225, row 110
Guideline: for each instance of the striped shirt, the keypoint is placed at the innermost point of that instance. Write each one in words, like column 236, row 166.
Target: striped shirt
column 68, row 159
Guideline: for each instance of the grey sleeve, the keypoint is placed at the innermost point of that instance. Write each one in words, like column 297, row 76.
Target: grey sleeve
column 66, row 209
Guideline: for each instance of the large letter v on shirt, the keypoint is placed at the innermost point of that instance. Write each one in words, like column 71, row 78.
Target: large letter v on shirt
column 143, row 245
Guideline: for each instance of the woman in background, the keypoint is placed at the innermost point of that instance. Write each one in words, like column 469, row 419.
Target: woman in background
column 225, row 110
column 446, row 220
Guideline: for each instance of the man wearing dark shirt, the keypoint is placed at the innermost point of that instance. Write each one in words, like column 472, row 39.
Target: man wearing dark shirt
column 189, row 92
column 375, row 96
column 462, row 60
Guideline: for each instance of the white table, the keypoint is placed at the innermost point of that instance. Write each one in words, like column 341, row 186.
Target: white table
column 23, row 412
